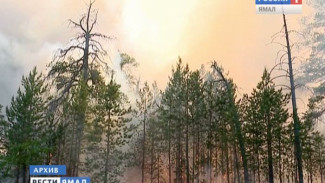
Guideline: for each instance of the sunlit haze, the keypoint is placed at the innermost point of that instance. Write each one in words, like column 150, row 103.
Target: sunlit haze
column 155, row 33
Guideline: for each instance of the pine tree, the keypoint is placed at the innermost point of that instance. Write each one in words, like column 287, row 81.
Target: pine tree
column 107, row 132
column 24, row 142
column 166, row 114
column 175, row 108
column 269, row 114
column 3, row 129
column 233, row 114
column 197, row 117
column 254, row 133
column 312, row 140
column 73, row 118
column 143, row 105
column 319, row 149
column 4, row 166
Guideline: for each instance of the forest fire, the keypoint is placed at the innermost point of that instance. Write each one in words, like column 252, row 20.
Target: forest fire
column 92, row 117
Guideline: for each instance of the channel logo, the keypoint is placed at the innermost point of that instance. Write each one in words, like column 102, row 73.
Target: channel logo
column 36, row 171
column 278, row 6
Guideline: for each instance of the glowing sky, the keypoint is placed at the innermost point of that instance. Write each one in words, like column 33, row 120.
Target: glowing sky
column 154, row 32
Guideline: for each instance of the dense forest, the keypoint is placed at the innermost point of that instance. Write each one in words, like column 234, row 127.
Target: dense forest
column 197, row 129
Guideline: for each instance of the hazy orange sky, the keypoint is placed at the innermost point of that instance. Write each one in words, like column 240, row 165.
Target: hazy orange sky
column 154, row 32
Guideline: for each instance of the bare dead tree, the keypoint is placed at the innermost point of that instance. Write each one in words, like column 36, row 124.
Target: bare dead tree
column 296, row 123
column 83, row 55
column 78, row 64
column 286, row 61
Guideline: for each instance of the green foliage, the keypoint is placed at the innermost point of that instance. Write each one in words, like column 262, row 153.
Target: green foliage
column 26, row 135
column 3, row 130
column 107, row 132
column 265, row 115
column 312, row 140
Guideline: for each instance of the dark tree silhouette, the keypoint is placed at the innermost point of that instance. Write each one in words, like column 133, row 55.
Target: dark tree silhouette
column 82, row 58
column 294, row 106
column 76, row 65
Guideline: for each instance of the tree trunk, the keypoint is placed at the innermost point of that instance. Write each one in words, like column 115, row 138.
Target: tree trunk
column 85, row 80
column 210, row 146
column 311, row 177
column 85, row 58
column 216, row 161
column 178, row 154
column 222, row 160
column 58, row 159
column 242, row 146
column 296, row 123
column 258, row 170
column 255, row 156
column 280, row 158
column 234, row 165
column 152, row 160
column 292, row 175
column 186, row 145
column 25, row 174
column 198, row 154
column 187, row 157
column 158, row 169
column 144, row 144
column 227, row 163
column 321, row 173
column 70, row 170
column 296, row 173
column 108, row 134
column 79, row 136
column 17, row 174
column 193, row 157
column 269, row 150
column 320, row 168
column 237, row 164
column 169, row 157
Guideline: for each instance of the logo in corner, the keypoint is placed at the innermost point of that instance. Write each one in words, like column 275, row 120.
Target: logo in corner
column 278, row 6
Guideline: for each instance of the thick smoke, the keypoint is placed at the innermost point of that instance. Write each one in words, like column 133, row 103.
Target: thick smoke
column 17, row 58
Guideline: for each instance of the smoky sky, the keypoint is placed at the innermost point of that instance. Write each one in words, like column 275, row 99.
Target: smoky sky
column 155, row 33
